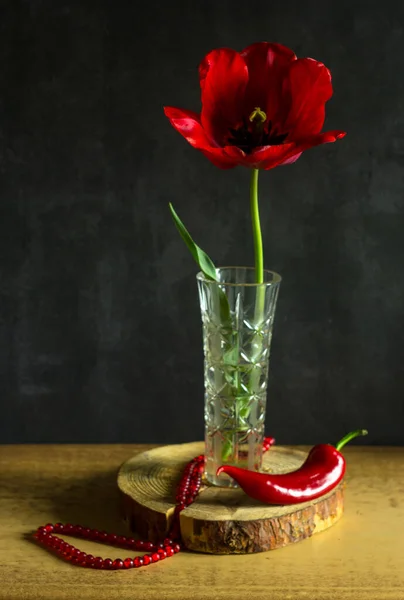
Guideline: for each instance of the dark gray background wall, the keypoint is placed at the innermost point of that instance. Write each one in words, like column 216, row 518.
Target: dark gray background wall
column 99, row 318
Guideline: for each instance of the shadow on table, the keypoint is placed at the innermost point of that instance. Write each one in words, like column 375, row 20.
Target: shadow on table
column 89, row 500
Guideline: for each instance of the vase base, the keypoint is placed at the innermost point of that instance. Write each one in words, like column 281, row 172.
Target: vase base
column 223, row 481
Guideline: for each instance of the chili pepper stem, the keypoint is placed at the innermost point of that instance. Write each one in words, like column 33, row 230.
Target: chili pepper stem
column 350, row 436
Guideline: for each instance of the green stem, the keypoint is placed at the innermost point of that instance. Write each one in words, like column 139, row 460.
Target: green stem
column 257, row 237
column 350, row 436
column 243, row 411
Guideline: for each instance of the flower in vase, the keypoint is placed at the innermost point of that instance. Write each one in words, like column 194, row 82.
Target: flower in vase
column 261, row 108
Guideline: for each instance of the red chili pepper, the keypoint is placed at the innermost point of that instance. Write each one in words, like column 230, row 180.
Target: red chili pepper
column 322, row 470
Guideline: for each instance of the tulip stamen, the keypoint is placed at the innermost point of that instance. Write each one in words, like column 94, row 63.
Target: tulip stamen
column 258, row 116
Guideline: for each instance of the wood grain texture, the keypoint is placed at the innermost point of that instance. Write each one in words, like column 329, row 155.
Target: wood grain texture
column 221, row 520
column 360, row 558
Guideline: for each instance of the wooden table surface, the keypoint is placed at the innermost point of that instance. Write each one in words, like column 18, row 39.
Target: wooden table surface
column 360, row 558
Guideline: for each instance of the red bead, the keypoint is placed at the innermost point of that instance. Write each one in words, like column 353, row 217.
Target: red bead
column 139, row 562
column 95, row 534
column 155, row 557
column 41, row 530
column 68, row 528
column 139, row 544
column 62, row 546
column 169, row 550
column 112, row 537
column 70, row 549
column 103, row 536
column 148, row 546
column 58, row 527
column 107, row 563
column 98, row 562
column 86, row 532
column 176, row 548
column 128, row 563
column 49, row 527
column 55, row 542
column 89, row 559
column 146, row 559
column 77, row 530
column 167, row 542
column 117, row 564
column 132, row 542
column 162, row 552
column 121, row 540
column 67, row 556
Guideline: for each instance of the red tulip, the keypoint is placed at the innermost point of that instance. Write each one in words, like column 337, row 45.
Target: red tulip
column 261, row 107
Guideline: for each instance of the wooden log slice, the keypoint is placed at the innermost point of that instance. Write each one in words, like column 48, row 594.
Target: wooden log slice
column 221, row 520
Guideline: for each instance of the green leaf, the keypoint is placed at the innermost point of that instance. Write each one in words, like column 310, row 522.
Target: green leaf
column 202, row 259
column 225, row 315
column 227, row 450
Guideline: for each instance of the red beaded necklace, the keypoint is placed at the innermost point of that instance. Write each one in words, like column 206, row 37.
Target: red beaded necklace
column 187, row 491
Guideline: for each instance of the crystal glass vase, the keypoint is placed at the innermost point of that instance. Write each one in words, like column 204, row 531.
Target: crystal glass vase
column 237, row 320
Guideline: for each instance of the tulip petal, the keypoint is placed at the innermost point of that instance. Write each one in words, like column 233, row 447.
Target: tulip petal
column 220, row 160
column 265, row 157
column 273, row 156
column 188, row 124
column 223, row 77
column 267, row 63
column 306, row 89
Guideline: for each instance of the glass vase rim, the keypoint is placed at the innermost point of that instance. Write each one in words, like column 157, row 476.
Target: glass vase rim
column 276, row 277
